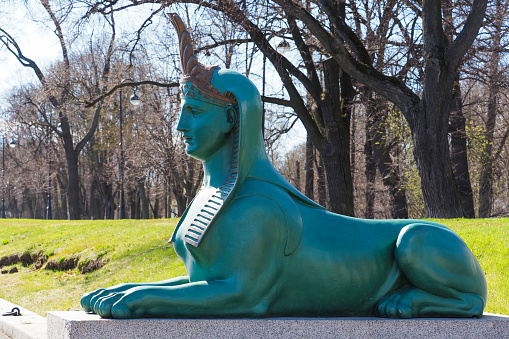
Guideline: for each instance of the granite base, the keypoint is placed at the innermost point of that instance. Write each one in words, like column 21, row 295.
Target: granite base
column 72, row 325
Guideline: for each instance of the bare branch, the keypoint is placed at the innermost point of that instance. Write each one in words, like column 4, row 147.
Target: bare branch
column 145, row 24
column 65, row 54
column 222, row 43
column 463, row 42
column 277, row 101
column 91, row 130
column 390, row 87
column 13, row 47
column 129, row 84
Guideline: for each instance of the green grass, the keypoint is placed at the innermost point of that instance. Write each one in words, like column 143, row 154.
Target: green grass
column 138, row 251
column 489, row 241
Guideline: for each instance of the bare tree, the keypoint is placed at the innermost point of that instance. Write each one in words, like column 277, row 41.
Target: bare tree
column 427, row 114
column 58, row 89
column 486, row 79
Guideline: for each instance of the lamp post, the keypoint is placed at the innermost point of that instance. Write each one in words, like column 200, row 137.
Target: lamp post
column 49, row 215
column 11, row 144
column 135, row 100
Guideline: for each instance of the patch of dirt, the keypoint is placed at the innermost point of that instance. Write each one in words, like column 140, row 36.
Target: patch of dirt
column 62, row 264
column 26, row 259
column 12, row 270
column 9, row 260
column 40, row 260
column 90, row 265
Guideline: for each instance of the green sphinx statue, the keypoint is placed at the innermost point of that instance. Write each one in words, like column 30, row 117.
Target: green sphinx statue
column 254, row 246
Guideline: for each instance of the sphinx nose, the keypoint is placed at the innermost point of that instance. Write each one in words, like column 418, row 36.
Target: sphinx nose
column 182, row 126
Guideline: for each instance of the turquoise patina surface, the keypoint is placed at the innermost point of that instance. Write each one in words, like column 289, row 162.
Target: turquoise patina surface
column 254, row 246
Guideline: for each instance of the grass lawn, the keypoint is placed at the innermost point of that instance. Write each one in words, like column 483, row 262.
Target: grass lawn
column 489, row 241
column 137, row 251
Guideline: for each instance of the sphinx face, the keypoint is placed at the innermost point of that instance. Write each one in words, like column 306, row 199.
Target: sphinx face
column 204, row 128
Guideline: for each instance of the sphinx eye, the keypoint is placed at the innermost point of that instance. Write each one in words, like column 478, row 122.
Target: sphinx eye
column 195, row 112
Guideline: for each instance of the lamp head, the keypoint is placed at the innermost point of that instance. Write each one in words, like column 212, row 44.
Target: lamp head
column 135, row 99
column 283, row 46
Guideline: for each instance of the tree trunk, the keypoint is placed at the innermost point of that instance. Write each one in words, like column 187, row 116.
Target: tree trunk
column 376, row 122
column 486, row 188
column 486, row 179
column 144, row 205
column 155, row 210
column 310, row 172
column 96, row 207
column 338, row 178
column 131, row 202
column 73, row 184
column 108, row 199
column 431, row 151
column 322, row 188
column 73, row 187
column 168, row 211
column 168, row 204
column 335, row 152
column 137, row 206
column 63, row 197
column 297, row 175
column 459, row 154
column 181, row 202
column 13, row 206
column 429, row 121
column 370, row 173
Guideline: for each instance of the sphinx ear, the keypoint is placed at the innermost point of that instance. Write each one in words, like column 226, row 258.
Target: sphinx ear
column 232, row 116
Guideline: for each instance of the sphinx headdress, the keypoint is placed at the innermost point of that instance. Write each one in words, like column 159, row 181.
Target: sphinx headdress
column 196, row 83
column 196, row 77
column 249, row 159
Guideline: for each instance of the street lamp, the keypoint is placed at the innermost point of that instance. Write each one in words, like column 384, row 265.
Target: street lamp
column 135, row 100
column 11, row 144
column 283, row 46
column 49, row 215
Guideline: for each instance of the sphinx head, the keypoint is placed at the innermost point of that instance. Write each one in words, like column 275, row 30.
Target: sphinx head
column 214, row 102
column 207, row 121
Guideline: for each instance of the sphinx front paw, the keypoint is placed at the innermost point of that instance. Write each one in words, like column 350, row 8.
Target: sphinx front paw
column 103, row 305
column 396, row 305
column 121, row 311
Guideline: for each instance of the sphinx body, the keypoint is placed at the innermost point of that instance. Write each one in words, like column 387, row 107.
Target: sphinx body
column 273, row 252
column 254, row 246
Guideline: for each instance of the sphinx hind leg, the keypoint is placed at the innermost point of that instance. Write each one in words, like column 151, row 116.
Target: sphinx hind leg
column 413, row 302
column 444, row 276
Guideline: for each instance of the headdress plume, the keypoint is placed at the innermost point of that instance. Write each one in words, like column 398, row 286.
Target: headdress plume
column 193, row 71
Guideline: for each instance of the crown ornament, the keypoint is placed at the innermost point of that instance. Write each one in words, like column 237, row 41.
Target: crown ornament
column 196, row 81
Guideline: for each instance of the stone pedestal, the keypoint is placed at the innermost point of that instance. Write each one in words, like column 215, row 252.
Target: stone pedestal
column 81, row 325
column 28, row 325
column 73, row 325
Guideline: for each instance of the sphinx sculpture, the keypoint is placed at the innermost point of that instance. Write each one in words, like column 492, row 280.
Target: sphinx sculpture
column 254, row 246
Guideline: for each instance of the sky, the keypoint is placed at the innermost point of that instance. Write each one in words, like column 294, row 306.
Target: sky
column 36, row 41
column 39, row 43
